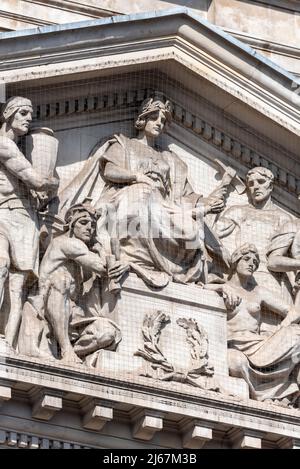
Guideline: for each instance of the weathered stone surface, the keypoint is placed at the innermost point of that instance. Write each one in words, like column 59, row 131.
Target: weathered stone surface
column 97, row 416
column 179, row 301
column 246, row 439
column 117, row 332
column 256, row 223
column 268, row 364
column 5, row 393
column 46, row 405
column 196, row 435
column 147, row 424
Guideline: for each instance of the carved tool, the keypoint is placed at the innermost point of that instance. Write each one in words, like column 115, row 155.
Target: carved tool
column 230, row 177
column 113, row 286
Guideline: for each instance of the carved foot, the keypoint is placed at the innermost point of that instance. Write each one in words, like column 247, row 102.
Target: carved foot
column 40, row 355
column 287, row 403
column 11, row 349
column 70, row 357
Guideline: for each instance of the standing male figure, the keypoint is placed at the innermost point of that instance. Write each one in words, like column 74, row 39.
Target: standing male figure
column 19, row 230
column 256, row 223
column 284, row 254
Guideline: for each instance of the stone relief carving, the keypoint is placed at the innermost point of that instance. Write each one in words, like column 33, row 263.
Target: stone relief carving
column 256, row 223
column 267, row 361
column 71, row 259
column 197, row 338
column 22, row 187
column 152, row 327
column 147, row 220
column 194, row 122
column 154, row 212
column 41, row 141
column 161, row 367
column 284, row 254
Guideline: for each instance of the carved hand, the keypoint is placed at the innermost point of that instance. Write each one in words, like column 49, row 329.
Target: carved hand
column 220, row 192
column 293, row 317
column 117, row 270
column 145, row 179
column 231, row 298
column 213, row 205
column 42, row 199
column 50, row 183
column 296, row 287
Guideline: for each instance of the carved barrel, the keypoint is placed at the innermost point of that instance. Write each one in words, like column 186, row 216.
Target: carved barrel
column 41, row 149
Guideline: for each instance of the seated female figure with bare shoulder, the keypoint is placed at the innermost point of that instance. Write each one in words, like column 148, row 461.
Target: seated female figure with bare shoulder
column 268, row 362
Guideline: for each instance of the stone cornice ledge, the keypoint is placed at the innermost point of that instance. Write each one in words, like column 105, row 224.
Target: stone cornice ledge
column 139, row 392
column 264, row 44
column 192, row 41
column 24, row 18
column 76, row 7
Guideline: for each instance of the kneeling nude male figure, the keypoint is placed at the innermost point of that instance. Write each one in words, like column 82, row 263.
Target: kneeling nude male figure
column 60, row 298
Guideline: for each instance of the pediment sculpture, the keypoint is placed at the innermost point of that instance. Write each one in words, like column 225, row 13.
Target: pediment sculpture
column 267, row 361
column 153, row 211
column 147, row 220
column 22, row 190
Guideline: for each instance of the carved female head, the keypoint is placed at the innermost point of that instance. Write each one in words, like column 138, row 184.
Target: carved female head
column 245, row 260
column 155, row 112
column 17, row 115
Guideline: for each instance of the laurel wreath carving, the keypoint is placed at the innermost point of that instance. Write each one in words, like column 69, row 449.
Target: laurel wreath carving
column 152, row 327
column 196, row 338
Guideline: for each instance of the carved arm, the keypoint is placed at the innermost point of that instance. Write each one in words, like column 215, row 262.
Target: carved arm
column 16, row 163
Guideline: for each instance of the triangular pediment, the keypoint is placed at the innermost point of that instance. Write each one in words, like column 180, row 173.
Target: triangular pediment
column 137, row 257
column 239, row 105
column 178, row 33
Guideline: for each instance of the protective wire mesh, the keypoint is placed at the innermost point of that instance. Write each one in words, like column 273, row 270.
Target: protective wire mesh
column 185, row 300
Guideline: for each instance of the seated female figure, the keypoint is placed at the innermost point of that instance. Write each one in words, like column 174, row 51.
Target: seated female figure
column 157, row 216
column 269, row 362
